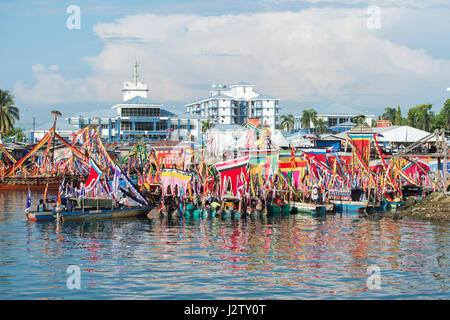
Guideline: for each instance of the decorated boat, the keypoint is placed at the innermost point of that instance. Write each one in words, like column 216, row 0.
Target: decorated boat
column 349, row 206
column 274, row 209
column 309, row 208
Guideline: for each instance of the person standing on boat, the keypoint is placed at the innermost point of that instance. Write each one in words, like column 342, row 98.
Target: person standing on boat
column 315, row 195
column 41, row 206
column 259, row 206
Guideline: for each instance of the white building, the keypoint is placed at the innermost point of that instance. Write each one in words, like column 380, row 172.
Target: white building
column 139, row 119
column 235, row 104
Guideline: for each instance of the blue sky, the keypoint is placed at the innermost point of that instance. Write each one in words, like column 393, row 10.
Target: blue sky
column 307, row 53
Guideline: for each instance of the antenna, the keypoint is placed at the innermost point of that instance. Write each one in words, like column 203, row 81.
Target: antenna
column 135, row 72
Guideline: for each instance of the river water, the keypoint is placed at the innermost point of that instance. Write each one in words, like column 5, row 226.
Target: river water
column 294, row 257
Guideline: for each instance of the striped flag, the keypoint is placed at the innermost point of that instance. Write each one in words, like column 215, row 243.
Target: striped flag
column 94, row 175
column 45, row 192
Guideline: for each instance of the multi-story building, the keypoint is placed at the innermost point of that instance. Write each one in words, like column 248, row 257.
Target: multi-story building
column 236, row 104
column 139, row 119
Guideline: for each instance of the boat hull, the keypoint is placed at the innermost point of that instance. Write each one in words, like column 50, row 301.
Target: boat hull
column 349, row 206
column 38, row 183
column 274, row 209
column 310, row 208
column 41, row 216
column 104, row 214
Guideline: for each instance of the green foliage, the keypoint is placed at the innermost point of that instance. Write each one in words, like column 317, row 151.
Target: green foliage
column 398, row 117
column 389, row 114
column 321, row 126
column 309, row 116
column 360, row 120
column 206, row 125
column 421, row 117
column 8, row 112
column 287, row 122
column 16, row 134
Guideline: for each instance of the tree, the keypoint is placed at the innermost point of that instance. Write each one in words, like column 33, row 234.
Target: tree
column 421, row 117
column 287, row 122
column 360, row 120
column 309, row 116
column 8, row 112
column 398, row 117
column 389, row 114
column 16, row 133
column 445, row 114
column 321, row 126
column 206, row 125
column 442, row 119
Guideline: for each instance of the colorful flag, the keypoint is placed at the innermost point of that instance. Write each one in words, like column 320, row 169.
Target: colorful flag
column 94, row 175
column 45, row 192
column 58, row 199
column 28, row 200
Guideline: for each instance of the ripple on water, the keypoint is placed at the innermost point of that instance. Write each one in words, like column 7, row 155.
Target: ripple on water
column 292, row 257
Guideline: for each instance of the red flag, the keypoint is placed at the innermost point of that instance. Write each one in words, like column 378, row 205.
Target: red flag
column 45, row 192
column 94, row 176
column 58, row 199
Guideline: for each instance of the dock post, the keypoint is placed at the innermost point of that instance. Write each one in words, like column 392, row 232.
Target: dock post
column 444, row 162
column 439, row 181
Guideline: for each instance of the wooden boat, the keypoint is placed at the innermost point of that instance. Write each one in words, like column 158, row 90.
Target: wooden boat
column 88, row 209
column 275, row 209
column 41, row 216
column 35, row 182
column 309, row 208
column 95, row 214
column 395, row 204
column 349, row 206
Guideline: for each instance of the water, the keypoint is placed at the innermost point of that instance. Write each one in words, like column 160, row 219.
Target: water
column 270, row 258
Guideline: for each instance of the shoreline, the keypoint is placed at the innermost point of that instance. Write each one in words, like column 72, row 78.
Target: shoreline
column 434, row 207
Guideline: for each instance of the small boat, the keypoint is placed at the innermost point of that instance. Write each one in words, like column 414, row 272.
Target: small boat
column 274, row 209
column 105, row 213
column 94, row 208
column 395, row 204
column 308, row 208
column 349, row 206
column 41, row 215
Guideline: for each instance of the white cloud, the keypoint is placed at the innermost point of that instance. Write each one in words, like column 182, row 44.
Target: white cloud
column 37, row 67
column 53, row 67
column 314, row 54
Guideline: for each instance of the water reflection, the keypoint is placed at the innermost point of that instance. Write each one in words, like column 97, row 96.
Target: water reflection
column 264, row 257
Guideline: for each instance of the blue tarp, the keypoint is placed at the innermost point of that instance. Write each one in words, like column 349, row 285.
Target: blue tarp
column 323, row 144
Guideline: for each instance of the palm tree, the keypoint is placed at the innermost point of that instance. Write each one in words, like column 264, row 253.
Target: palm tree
column 8, row 112
column 361, row 120
column 389, row 114
column 287, row 122
column 421, row 117
column 321, row 126
column 206, row 125
column 309, row 117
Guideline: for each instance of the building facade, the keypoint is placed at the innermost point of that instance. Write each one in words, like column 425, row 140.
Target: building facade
column 235, row 104
column 138, row 119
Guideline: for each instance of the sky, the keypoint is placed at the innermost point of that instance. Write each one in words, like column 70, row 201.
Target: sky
column 365, row 55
